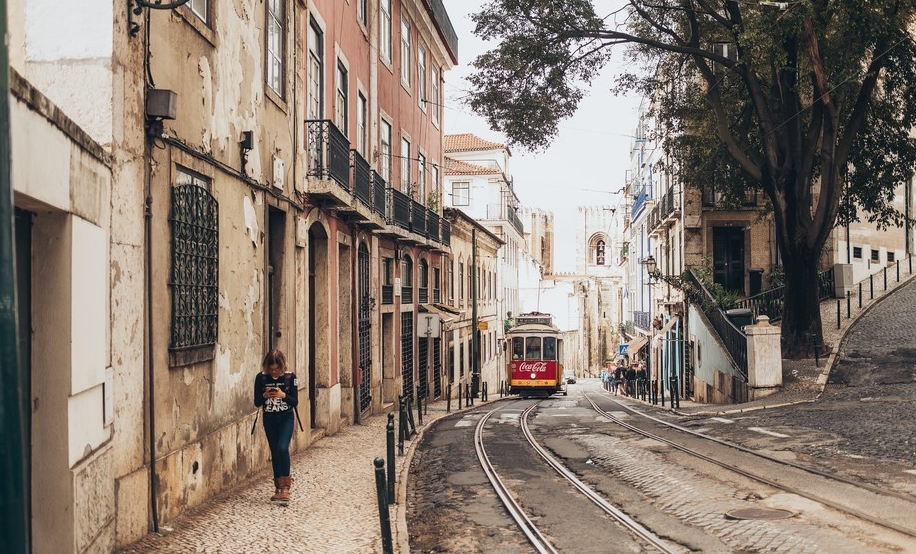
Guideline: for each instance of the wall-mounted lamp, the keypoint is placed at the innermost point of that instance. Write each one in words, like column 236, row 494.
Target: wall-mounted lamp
column 161, row 104
column 135, row 8
column 246, row 145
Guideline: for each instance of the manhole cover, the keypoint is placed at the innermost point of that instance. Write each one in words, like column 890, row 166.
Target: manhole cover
column 758, row 513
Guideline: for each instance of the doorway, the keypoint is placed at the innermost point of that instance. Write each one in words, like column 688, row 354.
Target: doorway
column 363, row 326
column 23, row 237
column 318, row 316
column 728, row 257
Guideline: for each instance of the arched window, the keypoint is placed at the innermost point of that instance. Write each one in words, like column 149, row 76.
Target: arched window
column 599, row 252
column 597, row 249
column 407, row 280
column 423, row 281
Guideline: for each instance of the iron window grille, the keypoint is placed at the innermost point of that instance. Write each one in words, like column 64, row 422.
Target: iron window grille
column 407, row 354
column 194, row 279
column 364, row 324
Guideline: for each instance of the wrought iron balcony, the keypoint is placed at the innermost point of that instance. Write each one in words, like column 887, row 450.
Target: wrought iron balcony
column 362, row 178
column 379, row 198
column 387, row 294
column 329, row 152
column 407, row 294
column 432, row 226
column 417, row 218
column 399, row 213
column 423, row 293
column 713, row 198
column 641, row 319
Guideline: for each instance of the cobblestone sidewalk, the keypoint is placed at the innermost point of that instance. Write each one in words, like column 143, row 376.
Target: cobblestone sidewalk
column 334, row 508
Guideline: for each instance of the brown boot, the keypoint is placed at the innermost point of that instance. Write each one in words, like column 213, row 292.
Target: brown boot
column 276, row 489
column 283, row 494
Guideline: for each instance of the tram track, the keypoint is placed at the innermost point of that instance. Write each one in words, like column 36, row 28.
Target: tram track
column 887, row 496
column 528, row 527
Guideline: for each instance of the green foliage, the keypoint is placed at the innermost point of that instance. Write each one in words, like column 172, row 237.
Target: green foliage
column 722, row 298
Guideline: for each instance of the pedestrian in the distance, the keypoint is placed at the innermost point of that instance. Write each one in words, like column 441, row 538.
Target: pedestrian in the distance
column 276, row 389
column 631, row 381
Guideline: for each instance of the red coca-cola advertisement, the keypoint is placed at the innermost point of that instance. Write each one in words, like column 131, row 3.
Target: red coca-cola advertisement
column 534, row 370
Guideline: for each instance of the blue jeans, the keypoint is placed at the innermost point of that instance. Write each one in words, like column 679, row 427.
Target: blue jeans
column 279, row 431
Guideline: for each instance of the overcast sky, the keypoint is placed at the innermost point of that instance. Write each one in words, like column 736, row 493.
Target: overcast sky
column 588, row 159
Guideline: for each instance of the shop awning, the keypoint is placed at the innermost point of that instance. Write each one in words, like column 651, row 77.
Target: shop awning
column 446, row 314
column 634, row 345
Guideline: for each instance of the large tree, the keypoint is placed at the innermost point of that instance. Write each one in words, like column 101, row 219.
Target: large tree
column 810, row 102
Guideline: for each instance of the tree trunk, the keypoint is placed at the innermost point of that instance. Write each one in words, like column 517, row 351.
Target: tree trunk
column 801, row 323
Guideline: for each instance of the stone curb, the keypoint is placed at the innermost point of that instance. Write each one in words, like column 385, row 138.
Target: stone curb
column 401, row 538
column 824, row 377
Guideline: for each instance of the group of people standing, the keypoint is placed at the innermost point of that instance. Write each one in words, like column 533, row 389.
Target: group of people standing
column 623, row 379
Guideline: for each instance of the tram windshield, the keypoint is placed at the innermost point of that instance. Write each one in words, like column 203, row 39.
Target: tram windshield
column 518, row 348
column 550, row 348
column 533, row 348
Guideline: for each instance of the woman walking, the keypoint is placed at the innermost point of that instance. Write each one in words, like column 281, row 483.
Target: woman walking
column 276, row 389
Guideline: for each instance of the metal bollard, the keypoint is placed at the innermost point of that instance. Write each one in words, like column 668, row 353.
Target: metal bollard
column 871, row 286
column 817, row 355
column 484, row 392
column 911, row 263
column 413, row 426
column 389, row 433
column 860, row 295
column 672, row 388
column 448, row 399
column 885, row 277
column 383, row 517
column 848, row 304
column 898, row 272
column 419, row 407
column 837, row 313
column 402, row 425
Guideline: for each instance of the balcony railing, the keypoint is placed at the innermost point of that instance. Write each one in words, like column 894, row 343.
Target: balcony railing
column 771, row 302
column 379, row 197
column 329, row 152
column 423, row 293
column 399, row 203
column 407, row 294
column 432, row 226
column 505, row 212
column 387, row 294
column 641, row 320
column 516, row 222
column 713, row 198
column 446, row 232
column 436, row 295
column 362, row 178
column 417, row 218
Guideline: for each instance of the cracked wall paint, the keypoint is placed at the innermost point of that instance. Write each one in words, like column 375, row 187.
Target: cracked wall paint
column 251, row 220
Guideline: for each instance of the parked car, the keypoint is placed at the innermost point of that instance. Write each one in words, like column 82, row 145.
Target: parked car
column 569, row 376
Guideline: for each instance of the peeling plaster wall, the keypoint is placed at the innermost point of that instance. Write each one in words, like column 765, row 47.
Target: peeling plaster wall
column 203, row 409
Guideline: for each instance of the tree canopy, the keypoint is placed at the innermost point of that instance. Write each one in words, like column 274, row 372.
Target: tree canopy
column 812, row 103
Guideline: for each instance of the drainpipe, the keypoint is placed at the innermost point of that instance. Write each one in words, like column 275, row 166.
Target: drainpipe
column 148, row 339
column 14, row 485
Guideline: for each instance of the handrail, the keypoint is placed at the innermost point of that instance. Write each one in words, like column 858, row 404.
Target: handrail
column 734, row 340
column 772, row 302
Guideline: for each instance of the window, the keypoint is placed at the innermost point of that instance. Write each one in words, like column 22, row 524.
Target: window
column 316, row 72
column 405, row 165
column 340, row 102
column 518, row 348
column 434, row 101
column 461, row 193
column 451, row 281
column 276, row 34
column 194, row 226
column 405, row 52
column 461, row 282
column 434, row 182
column 550, row 348
column 599, row 253
column 437, row 279
column 361, row 111
column 201, row 9
column 890, row 257
column 875, row 256
column 421, row 177
column 421, row 75
column 385, row 29
column 857, row 252
column 533, row 348
column 406, row 280
column 387, row 281
column 362, row 11
column 385, row 137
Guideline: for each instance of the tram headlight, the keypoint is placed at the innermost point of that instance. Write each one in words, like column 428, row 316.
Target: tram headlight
column 534, row 375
